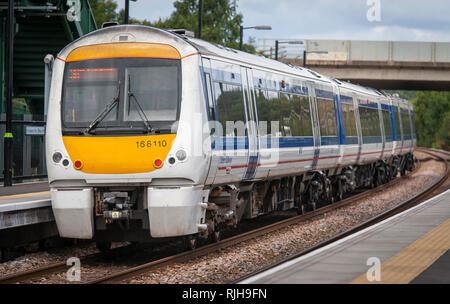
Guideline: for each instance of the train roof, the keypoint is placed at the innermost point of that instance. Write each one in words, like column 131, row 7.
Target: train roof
column 188, row 45
column 216, row 50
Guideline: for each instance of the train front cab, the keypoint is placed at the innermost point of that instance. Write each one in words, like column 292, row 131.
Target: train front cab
column 120, row 151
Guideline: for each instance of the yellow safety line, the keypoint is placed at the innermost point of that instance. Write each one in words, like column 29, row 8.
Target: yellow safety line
column 411, row 261
column 24, row 195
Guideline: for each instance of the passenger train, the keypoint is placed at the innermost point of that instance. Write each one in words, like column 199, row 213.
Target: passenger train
column 154, row 134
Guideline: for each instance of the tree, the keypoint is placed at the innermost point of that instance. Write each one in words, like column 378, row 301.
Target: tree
column 443, row 134
column 220, row 21
column 104, row 10
column 432, row 111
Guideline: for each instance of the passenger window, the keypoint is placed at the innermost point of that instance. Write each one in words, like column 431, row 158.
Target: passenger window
column 230, row 108
column 406, row 123
column 370, row 122
column 212, row 115
column 387, row 125
column 263, row 107
column 327, row 117
column 295, row 115
column 348, row 117
column 273, row 113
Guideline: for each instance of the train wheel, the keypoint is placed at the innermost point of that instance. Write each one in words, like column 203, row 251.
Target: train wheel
column 190, row 242
column 103, row 246
column 338, row 191
column 216, row 236
column 301, row 209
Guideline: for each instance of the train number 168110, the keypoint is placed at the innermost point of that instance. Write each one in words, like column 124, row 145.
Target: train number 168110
column 151, row 143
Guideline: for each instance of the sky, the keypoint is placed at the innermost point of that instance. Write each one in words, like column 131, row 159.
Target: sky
column 397, row 20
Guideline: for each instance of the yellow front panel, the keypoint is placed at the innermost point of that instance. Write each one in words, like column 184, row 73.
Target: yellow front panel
column 122, row 50
column 118, row 155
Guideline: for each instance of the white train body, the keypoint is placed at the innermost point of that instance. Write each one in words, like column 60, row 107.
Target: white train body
column 160, row 164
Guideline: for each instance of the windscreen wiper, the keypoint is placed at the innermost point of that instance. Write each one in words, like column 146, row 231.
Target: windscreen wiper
column 105, row 112
column 140, row 111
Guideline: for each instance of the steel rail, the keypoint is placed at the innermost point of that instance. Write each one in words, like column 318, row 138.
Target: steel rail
column 51, row 268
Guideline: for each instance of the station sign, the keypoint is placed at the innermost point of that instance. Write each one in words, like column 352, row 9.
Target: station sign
column 34, row 130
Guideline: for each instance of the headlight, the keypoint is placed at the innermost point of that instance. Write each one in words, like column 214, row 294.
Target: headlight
column 57, row 157
column 181, row 155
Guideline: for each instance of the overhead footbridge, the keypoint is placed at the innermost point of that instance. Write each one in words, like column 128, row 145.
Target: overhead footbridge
column 381, row 64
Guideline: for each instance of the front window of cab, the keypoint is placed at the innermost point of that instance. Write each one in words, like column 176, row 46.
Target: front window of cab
column 121, row 95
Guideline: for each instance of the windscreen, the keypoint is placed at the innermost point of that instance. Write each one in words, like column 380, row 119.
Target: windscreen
column 121, row 93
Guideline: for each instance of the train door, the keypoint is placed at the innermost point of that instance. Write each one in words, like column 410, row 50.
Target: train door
column 394, row 127
column 316, row 125
column 210, row 111
column 251, row 124
column 382, row 126
column 349, row 124
column 229, row 140
column 402, row 129
column 339, row 124
column 327, row 124
column 387, row 127
column 358, row 126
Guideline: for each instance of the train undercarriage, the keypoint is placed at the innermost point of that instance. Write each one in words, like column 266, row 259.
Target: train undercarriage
column 230, row 204
column 120, row 213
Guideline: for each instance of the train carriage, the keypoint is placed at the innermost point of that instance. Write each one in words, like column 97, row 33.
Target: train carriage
column 153, row 134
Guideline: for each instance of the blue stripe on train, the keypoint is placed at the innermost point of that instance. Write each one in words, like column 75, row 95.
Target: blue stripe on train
column 293, row 142
column 235, row 143
column 328, row 141
column 351, row 140
column 346, row 99
column 384, row 106
column 324, row 94
column 407, row 137
column 229, row 143
column 372, row 139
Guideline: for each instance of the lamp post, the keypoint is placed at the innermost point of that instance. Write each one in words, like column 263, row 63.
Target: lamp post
column 8, row 137
column 127, row 11
column 287, row 42
column 258, row 27
column 200, row 18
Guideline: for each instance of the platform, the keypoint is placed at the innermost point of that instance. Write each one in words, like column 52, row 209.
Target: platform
column 25, row 214
column 411, row 247
column 24, row 188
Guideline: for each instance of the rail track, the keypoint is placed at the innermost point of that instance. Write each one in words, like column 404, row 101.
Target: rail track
column 204, row 250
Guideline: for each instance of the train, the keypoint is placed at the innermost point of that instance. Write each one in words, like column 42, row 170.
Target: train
column 154, row 134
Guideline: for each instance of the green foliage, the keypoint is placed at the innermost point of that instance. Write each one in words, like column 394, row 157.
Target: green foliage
column 443, row 134
column 432, row 115
column 104, row 10
column 220, row 21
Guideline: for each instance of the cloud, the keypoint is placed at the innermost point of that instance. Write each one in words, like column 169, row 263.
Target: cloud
column 414, row 20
